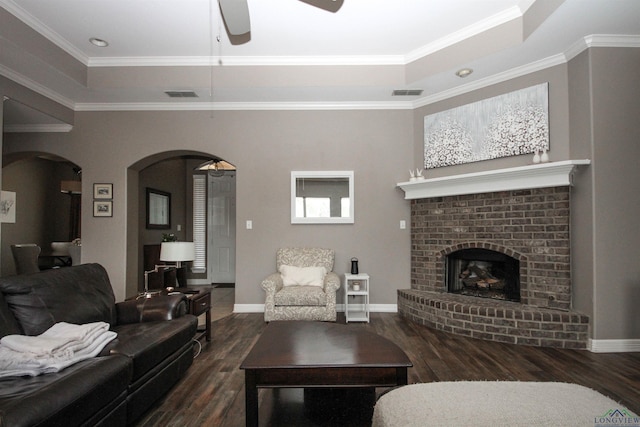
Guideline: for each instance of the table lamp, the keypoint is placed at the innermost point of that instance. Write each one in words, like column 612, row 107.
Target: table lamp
column 177, row 252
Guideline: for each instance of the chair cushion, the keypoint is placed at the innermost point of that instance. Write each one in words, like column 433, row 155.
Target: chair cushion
column 301, row 296
column 303, row 276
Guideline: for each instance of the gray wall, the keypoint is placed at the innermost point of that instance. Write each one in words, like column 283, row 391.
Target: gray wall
column 265, row 146
column 616, row 200
column 604, row 95
column 582, row 197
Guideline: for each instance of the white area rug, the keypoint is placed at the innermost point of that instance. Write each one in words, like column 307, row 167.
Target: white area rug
column 488, row 403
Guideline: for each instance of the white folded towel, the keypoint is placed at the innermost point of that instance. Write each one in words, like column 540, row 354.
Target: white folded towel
column 58, row 340
column 60, row 346
column 92, row 350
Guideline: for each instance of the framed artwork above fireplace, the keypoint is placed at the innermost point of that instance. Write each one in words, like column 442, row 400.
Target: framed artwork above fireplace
column 512, row 124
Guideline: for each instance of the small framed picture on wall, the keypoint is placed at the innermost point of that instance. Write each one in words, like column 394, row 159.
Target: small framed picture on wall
column 103, row 191
column 103, row 208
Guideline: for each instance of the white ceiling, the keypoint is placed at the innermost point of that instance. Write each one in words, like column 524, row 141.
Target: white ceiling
column 182, row 28
column 300, row 56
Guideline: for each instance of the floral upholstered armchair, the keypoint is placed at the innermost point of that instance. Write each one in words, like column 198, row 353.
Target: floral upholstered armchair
column 304, row 288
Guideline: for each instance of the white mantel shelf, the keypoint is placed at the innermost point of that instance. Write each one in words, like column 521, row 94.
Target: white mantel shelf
column 552, row 174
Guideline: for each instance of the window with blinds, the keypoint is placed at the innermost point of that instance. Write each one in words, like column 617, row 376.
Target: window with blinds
column 200, row 223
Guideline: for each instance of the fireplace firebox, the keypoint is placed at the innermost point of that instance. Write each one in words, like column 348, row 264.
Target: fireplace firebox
column 483, row 273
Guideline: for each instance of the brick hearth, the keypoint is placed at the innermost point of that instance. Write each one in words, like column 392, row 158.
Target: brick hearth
column 503, row 321
column 529, row 225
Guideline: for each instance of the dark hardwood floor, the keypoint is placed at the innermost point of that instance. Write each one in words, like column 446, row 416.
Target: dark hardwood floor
column 212, row 392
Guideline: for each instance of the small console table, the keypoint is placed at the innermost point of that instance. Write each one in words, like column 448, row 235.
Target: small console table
column 200, row 303
column 356, row 297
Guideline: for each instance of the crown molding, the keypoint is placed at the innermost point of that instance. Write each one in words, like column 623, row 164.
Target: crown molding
column 239, row 61
column 45, row 31
column 244, row 106
column 596, row 40
column 612, row 40
column 601, row 40
column 465, row 33
column 36, row 87
column 491, row 80
column 52, row 127
column 559, row 59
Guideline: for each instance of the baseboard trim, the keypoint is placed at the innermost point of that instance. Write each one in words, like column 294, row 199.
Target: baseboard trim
column 614, row 346
column 383, row 308
column 259, row 308
column 374, row 308
column 198, row 282
column 248, row 308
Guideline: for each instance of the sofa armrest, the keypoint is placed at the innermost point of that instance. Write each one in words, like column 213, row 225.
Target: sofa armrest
column 162, row 307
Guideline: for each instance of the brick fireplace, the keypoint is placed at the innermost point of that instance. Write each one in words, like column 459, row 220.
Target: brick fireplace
column 531, row 226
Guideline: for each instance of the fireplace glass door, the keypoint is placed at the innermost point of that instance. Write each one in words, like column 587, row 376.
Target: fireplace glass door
column 483, row 273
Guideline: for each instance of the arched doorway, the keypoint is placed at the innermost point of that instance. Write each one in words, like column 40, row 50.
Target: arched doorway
column 45, row 195
column 176, row 174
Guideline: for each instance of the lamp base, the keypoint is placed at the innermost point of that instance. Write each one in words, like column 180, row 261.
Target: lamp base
column 181, row 277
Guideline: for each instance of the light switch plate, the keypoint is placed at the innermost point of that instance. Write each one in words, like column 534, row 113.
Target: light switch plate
column 403, row 224
column 249, row 224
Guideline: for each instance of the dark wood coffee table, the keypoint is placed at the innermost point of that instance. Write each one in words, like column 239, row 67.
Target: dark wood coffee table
column 320, row 355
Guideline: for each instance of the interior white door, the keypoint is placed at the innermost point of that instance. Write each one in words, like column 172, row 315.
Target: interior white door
column 221, row 243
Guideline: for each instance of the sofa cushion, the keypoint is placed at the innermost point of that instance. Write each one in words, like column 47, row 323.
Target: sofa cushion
column 301, row 295
column 68, row 397
column 302, row 276
column 80, row 294
column 148, row 344
column 8, row 324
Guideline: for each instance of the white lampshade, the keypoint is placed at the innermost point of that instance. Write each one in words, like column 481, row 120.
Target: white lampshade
column 177, row 251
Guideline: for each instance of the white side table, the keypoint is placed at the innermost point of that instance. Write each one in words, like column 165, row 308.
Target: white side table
column 356, row 297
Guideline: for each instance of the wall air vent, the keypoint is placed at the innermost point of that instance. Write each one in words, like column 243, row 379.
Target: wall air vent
column 407, row 92
column 181, row 94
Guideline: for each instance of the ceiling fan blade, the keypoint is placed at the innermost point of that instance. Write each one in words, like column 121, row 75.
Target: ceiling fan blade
column 236, row 16
column 328, row 5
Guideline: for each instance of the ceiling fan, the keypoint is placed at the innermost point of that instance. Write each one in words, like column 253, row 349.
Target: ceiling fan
column 236, row 13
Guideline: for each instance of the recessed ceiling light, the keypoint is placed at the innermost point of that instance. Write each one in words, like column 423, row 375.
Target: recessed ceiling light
column 464, row 72
column 98, row 42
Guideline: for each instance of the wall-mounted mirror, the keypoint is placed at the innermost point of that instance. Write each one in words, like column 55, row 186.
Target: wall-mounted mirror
column 322, row 197
column 158, row 209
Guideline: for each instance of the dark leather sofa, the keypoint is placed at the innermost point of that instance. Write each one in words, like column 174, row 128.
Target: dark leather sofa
column 154, row 348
